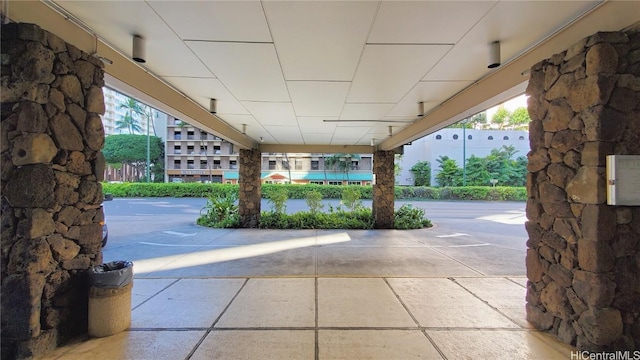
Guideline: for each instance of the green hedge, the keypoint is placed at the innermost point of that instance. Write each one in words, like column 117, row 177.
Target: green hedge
column 498, row 193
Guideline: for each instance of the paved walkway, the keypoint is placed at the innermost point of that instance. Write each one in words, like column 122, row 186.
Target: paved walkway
column 321, row 295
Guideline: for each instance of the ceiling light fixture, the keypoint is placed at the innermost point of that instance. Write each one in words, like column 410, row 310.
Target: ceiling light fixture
column 261, row 139
column 421, row 108
column 244, row 129
column 373, row 141
column 213, row 106
column 494, row 55
column 390, row 133
column 138, row 53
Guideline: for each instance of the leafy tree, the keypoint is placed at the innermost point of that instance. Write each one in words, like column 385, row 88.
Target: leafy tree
column 519, row 119
column 501, row 117
column 477, row 173
column 450, row 174
column 130, row 120
column 477, row 121
column 422, row 173
column 341, row 162
column 132, row 149
column 397, row 169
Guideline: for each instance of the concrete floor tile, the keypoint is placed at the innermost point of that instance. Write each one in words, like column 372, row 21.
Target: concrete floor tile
column 387, row 262
column 143, row 289
column 187, row 303
column 257, row 344
column 375, row 344
column 272, row 303
column 522, row 280
column 442, row 303
column 496, row 344
column 501, row 293
column 359, row 303
column 371, row 238
column 135, row 345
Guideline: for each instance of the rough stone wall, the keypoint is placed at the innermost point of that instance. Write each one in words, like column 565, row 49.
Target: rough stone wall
column 383, row 190
column 583, row 257
column 51, row 195
column 250, row 188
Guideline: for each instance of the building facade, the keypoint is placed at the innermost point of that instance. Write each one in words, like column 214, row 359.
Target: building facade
column 193, row 155
column 457, row 144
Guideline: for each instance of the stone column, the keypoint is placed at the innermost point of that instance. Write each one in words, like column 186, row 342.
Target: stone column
column 383, row 190
column 250, row 188
column 51, row 192
column 583, row 257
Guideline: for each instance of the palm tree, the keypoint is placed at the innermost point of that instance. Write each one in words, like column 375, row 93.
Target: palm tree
column 130, row 119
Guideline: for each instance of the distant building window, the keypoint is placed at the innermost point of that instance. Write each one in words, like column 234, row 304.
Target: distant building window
column 190, row 164
column 216, row 164
column 233, row 164
column 203, row 135
column 505, row 138
column 520, row 137
column 455, row 137
column 490, row 138
column 216, row 149
column 177, row 135
column 335, row 182
column 203, row 164
column 272, row 164
column 190, row 135
column 314, row 165
column 177, row 149
column 469, row 137
column 176, row 164
column 355, row 183
column 355, row 165
column 190, row 150
column 316, row 182
column 438, row 137
column 298, row 164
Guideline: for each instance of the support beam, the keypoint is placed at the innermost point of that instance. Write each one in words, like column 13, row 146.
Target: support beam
column 317, row 149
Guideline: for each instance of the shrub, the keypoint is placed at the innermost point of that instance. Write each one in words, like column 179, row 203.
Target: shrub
column 221, row 212
column 278, row 200
column 314, row 201
column 351, row 198
column 408, row 217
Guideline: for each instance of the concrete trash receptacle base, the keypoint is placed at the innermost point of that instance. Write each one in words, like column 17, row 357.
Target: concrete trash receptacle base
column 109, row 310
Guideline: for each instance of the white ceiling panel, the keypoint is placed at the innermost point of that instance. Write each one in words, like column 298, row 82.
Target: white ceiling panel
column 202, row 89
column 317, row 124
column 285, row 134
column 387, row 72
column 364, row 111
column 269, row 113
column 215, row 20
column 254, row 129
column 315, row 98
column 250, row 71
column 314, row 138
column 319, row 40
column 431, row 93
column 426, row 22
column 118, row 21
column 516, row 34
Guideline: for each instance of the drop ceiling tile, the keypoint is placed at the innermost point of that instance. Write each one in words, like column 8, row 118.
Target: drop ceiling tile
column 254, row 129
column 214, row 20
column 426, row 22
column 431, row 93
column 285, row 134
column 314, row 138
column 270, row 113
column 316, row 124
column 118, row 21
column 202, row 89
column 364, row 111
column 352, row 132
column 469, row 58
column 319, row 40
column 387, row 72
column 316, row 98
column 250, row 71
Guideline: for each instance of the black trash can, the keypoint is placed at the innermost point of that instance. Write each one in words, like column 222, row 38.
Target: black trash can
column 110, row 298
